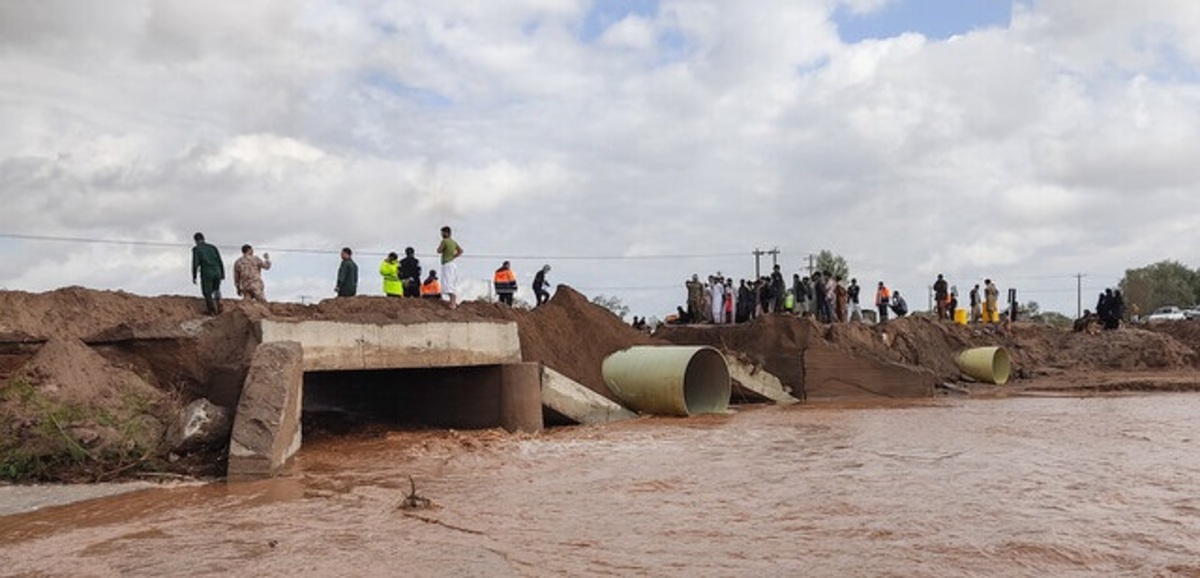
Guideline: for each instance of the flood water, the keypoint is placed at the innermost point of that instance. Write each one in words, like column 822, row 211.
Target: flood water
column 1011, row 487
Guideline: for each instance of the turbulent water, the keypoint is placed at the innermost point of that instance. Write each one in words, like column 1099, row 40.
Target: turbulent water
column 1020, row 486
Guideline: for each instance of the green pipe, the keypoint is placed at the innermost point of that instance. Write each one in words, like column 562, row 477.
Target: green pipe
column 986, row 364
column 669, row 380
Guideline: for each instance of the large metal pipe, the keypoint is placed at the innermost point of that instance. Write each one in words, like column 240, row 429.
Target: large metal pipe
column 669, row 380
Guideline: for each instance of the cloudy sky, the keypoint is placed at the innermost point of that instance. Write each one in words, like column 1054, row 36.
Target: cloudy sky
column 628, row 143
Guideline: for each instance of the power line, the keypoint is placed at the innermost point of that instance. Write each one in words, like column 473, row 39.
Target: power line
column 180, row 245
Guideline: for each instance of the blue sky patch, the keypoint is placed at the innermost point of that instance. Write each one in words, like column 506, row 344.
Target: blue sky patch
column 605, row 13
column 936, row 19
column 424, row 97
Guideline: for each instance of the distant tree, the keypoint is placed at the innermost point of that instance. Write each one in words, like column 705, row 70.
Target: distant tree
column 1163, row 283
column 1032, row 309
column 835, row 264
column 612, row 303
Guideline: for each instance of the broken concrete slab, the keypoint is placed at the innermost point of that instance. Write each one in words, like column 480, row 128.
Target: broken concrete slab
column 200, row 425
column 334, row 345
column 266, row 428
column 752, row 382
column 578, row 403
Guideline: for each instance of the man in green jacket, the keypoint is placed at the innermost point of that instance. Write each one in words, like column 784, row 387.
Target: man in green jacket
column 206, row 263
column 347, row 277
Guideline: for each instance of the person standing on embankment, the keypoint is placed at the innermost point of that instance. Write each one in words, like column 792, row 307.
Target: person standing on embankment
column 410, row 273
column 450, row 250
column 206, row 263
column 389, row 269
column 347, row 276
column 883, row 298
column 247, row 274
column 991, row 298
column 540, row 295
column 505, row 282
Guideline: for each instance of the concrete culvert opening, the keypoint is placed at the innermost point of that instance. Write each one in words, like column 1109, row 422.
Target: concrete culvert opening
column 353, row 402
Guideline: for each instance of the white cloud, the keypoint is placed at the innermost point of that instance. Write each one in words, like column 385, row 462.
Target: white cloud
column 1058, row 145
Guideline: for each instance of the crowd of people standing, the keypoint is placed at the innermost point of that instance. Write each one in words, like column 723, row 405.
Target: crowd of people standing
column 828, row 298
column 401, row 277
column 823, row 295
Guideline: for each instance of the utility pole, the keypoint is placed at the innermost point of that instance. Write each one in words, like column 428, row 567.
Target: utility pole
column 812, row 264
column 758, row 253
column 1079, row 295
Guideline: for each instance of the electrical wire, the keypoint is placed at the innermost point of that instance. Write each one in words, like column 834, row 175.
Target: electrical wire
column 468, row 256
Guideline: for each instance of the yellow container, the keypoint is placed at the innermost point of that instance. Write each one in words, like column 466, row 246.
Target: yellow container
column 960, row 316
column 986, row 364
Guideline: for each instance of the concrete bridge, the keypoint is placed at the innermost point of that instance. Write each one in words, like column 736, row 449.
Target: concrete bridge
column 465, row 375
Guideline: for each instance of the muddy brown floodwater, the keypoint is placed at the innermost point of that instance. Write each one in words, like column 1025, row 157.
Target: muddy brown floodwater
column 1020, row 486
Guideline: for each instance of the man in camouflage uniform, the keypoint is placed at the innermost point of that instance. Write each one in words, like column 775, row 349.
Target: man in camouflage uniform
column 247, row 274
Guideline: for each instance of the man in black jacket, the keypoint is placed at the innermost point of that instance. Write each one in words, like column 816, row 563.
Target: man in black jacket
column 410, row 273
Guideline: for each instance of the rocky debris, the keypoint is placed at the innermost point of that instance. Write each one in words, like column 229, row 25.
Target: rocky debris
column 198, row 426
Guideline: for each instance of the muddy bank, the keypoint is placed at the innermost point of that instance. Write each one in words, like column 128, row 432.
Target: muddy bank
column 91, row 380
column 914, row 354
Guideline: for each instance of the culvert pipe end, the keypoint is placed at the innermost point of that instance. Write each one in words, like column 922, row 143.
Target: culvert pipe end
column 669, row 380
column 986, row 364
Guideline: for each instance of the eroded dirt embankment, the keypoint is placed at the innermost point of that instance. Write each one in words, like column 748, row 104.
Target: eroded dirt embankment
column 908, row 354
column 90, row 380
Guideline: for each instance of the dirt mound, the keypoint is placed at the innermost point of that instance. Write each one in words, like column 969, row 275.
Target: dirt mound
column 774, row 342
column 570, row 335
column 1126, row 349
column 384, row 310
column 1035, row 349
column 1185, row 332
column 69, row 403
column 75, row 312
column 923, row 343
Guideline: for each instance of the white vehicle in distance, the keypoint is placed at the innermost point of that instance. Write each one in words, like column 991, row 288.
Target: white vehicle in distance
column 1193, row 313
column 1169, row 313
